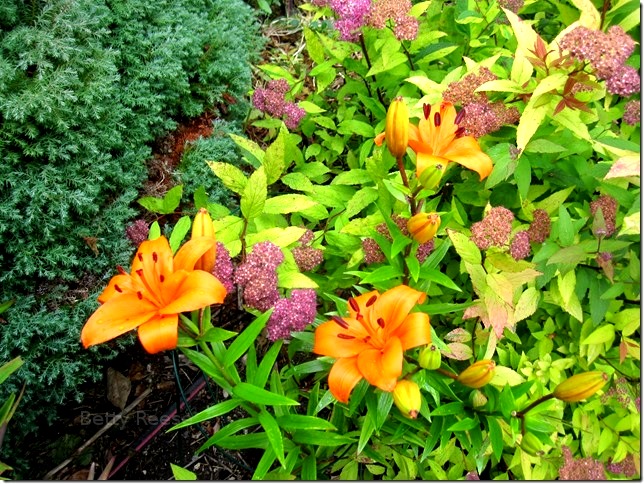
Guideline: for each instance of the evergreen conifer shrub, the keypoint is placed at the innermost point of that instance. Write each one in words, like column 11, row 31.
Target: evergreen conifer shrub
column 85, row 87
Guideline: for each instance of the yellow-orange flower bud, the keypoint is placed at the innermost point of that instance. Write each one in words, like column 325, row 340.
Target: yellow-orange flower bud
column 430, row 357
column 423, row 226
column 407, row 398
column 477, row 374
column 202, row 226
column 397, row 127
column 580, row 386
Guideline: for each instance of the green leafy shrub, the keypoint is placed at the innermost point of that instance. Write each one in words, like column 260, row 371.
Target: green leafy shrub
column 85, row 87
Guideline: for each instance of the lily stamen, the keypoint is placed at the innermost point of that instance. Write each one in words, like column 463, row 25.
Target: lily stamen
column 354, row 305
column 340, row 322
column 437, row 119
column 427, row 110
column 345, row 336
column 371, row 300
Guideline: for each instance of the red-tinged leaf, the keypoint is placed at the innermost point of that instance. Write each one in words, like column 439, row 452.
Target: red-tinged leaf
column 623, row 351
column 458, row 335
column 624, row 166
column 458, row 351
column 560, row 106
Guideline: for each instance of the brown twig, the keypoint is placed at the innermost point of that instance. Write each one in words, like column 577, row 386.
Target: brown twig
column 92, row 439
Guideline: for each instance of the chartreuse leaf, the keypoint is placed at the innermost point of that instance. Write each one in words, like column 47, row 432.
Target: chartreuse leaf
column 275, row 158
column 603, row 334
column 8, row 368
column 172, row 199
column 238, row 347
column 467, row 249
column 290, row 203
column 155, row 231
column 254, row 195
column 179, row 232
column 251, row 147
column 181, row 474
column 273, row 433
column 232, row 177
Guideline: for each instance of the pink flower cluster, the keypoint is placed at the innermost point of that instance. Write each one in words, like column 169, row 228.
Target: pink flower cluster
column 258, row 277
column 306, row 257
column 496, row 230
column 586, row 469
column 480, row 116
column 608, row 207
column 292, row 314
column 607, row 54
column 632, row 112
column 271, row 100
column 138, row 232
column 224, row 269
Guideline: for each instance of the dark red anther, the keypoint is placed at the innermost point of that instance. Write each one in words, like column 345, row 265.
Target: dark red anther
column 459, row 116
column 427, row 110
column 155, row 257
column 381, row 322
column 140, row 256
column 459, row 132
column 161, row 278
column 139, row 272
column 371, row 300
column 345, row 336
column 366, row 339
column 340, row 322
column 437, row 119
column 139, row 294
column 121, row 270
column 354, row 304
column 117, row 289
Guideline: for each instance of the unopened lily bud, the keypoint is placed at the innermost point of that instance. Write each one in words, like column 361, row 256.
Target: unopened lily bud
column 397, row 127
column 478, row 398
column 580, row 386
column 423, row 226
column 407, row 398
column 430, row 358
column 431, row 176
column 477, row 374
column 531, row 444
column 202, row 226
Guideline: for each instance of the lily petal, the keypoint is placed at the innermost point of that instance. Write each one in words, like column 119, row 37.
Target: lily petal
column 193, row 290
column 466, row 152
column 343, row 377
column 381, row 368
column 160, row 334
column 116, row 317
column 379, row 139
column 329, row 343
column 394, row 305
column 361, row 303
column 188, row 255
column 414, row 331
column 124, row 283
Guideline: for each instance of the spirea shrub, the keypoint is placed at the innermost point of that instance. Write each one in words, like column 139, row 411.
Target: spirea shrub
column 85, row 87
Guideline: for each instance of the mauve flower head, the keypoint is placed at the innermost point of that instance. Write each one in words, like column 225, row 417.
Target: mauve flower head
column 586, row 469
column 624, row 81
column 405, row 25
column 520, row 246
column 307, row 258
column 293, row 114
column 626, row 467
column 224, row 269
column 605, row 51
column 609, row 211
column 352, row 17
column 424, row 250
column 494, row 229
column 462, row 92
column 138, row 232
column 512, row 5
column 372, row 252
column 481, row 118
column 258, row 277
column 632, row 112
column 292, row 314
column 540, row 227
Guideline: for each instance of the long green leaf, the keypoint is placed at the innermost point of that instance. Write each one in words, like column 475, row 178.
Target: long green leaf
column 264, row 464
column 304, row 422
column 215, row 411
column 8, row 368
column 258, row 395
column 264, row 368
column 273, row 433
column 238, row 347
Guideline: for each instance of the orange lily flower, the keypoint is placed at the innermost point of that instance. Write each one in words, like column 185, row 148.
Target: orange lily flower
column 439, row 140
column 370, row 342
column 151, row 298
